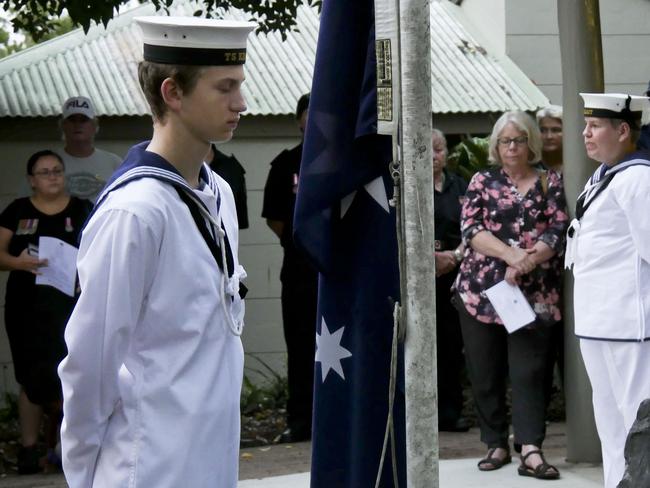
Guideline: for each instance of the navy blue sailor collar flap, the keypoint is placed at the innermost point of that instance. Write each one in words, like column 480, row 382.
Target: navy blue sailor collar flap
column 140, row 163
column 603, row 176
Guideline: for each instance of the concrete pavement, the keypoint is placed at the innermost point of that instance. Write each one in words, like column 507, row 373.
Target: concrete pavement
column 287, row 466
column 462, row 473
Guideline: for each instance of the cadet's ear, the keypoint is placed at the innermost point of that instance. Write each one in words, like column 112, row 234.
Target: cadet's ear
column 171, row 94
column 624, row 131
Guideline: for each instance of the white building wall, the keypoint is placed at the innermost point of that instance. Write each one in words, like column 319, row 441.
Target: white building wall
column 488, row 17
column 527, row 31
column 255, row 145
column 532, row 42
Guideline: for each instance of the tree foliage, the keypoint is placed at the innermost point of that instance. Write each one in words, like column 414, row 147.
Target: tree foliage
column 10, row 44
column 38, row 18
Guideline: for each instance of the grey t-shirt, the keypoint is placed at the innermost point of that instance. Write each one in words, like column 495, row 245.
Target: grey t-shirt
column 85, row 177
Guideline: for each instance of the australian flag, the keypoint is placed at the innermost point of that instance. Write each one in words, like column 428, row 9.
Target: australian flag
column 344, row 223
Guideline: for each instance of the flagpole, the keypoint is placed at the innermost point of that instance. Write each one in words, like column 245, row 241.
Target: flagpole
column 418, row 297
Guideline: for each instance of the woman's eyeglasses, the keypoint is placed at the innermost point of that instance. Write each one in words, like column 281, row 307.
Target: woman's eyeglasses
column 46, row 173
column 506, row 141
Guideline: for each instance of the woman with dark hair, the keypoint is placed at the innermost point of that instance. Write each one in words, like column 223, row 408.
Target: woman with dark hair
column 35, row 315
column 513, row 223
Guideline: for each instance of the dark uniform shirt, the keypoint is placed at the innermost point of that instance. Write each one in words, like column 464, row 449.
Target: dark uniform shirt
column 279, row 204
column 233, row 172
column 447, row 209
column 644, row 138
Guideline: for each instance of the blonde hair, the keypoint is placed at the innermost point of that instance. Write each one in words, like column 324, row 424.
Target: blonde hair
column 523, row 122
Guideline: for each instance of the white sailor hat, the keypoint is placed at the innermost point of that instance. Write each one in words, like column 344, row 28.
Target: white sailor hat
column 615, row 106
column 194, row 41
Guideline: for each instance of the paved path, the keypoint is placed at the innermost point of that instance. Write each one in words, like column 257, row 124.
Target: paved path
column 287, row 466
column 462, row 473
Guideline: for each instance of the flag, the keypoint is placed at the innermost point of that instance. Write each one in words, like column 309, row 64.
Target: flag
column 344, row 224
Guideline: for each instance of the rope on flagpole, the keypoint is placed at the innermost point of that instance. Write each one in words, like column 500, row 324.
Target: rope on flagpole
column 398, row 333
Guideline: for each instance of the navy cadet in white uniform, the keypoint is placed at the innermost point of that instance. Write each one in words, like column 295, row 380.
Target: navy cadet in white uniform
column 152, row 379
column 609, row 247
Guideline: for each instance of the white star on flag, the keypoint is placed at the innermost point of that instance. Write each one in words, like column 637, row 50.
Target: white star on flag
column 329, row 351
column 375, row 189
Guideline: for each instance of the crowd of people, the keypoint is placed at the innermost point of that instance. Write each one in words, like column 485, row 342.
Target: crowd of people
column 514, row 227
column 117, row 356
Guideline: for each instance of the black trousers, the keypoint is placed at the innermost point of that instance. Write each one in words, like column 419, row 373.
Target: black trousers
column 492, row 356
column 449, row 346
column 299, row 301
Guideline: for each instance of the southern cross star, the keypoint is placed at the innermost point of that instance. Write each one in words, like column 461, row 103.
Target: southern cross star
column 329, row 351
column 375, row 189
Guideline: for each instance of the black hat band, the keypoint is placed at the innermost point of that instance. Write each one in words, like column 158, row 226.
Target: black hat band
column 194, row 56
column 626, row 114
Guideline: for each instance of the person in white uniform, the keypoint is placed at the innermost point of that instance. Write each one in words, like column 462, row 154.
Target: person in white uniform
column 609, row 249
column 152, row 379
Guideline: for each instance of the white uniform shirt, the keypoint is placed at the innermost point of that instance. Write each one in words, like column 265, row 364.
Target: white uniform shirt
column 612, row 261
column 152, row 380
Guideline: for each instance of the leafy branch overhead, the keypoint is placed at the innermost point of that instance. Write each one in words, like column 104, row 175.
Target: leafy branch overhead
column 38, row 18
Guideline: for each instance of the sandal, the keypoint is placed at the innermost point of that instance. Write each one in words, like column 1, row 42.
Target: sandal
column 543, row 471
column 494, row 462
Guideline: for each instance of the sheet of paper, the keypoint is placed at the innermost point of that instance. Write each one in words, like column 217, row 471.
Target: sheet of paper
column 61, row 269
column 511, row 305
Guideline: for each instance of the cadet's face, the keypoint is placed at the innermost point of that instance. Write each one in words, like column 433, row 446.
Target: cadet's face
column 78, row 128
column 602, row 139
column 211, row 110
column 551, row 130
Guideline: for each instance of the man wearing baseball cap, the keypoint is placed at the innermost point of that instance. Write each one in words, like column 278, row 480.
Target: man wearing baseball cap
column 609, row 249
column 152, row 379
column 87, row 168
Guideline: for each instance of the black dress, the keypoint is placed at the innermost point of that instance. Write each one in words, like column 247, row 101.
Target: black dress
column 36, row 315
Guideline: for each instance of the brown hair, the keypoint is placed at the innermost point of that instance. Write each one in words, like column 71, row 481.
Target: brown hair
column 151, row 75
column 635, row 132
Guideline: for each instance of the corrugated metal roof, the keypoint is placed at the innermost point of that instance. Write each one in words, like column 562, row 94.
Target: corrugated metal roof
column 466, row 76
column 103, row 66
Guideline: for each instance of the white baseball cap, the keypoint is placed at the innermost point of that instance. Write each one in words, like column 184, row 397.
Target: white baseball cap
column 194, row 41
column 78, row 105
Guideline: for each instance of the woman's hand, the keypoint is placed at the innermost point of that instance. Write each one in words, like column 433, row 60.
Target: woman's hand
column 445, row 262
column 520, row 259
column 25, row 262
column 512, row 275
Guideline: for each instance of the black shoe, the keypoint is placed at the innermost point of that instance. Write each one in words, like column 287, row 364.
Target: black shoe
column 291, row 435
column 28, row 460
column 460, row 425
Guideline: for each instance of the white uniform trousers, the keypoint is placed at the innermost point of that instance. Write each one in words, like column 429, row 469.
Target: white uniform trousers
column 620, row 380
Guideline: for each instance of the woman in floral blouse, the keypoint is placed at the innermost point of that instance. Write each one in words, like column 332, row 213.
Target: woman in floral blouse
column 513, row 222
